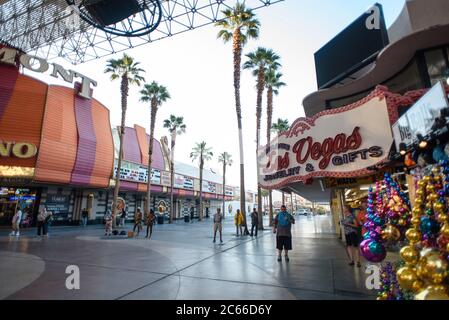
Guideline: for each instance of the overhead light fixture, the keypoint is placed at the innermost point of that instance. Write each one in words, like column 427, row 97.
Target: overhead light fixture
column 422, row 142
column 402, row 149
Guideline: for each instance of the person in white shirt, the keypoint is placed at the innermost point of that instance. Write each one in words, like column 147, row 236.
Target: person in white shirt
column 16, row 223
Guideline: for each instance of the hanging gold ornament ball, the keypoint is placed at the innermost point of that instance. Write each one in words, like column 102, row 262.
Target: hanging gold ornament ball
column 420, row 193
column 391, row 233
column 383, row 296
column 443, row 218
column 421, row 184
column 406, row 277
column 433, row 293
column 436, row 170
column 417, row 286
column 413, row 235
column 427, row 179
column 416, row 210
column 445, row 230
column 431, row 267
column 438, row 206
column 409, row 254
column 418, row 203
column 437, row 178
column 432, row 197
column 415, row 221
column 447, row 247
column 430, row 188
column 402, row 222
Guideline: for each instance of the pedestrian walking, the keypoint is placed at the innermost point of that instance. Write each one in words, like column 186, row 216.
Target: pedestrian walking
column 16, row 219
column 123, row 218
column 108, row 223
column 138, row 221
column 352, row 231
column 254, row 221
column 218, row 218
column 283, row 229
column 238, row 221
column 151, row 217
column 84, row 216
column 192, row 214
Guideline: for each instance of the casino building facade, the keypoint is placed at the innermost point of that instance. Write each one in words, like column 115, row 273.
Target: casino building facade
column 58, row 149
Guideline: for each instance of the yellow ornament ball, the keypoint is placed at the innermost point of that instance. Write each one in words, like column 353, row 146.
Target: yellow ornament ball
column 420, row 193
column 431, row 267
column 417, row 211
column 406, row 277
column 436, row 170
column 413, row 235
column 415, row 221
column 427, row 179
column 430, row 188
column 417, row 286
column 445, row 230
column 432, row 197
column 438, row 206
column 391, row 233
column 409, row 254
column 443, row 218
column 421, row 184
column 433, row 293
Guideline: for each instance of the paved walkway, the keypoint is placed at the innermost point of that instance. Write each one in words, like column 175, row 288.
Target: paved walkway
column 180, row 262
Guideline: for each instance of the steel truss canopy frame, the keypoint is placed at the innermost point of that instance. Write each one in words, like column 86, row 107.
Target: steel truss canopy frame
column 51, row 28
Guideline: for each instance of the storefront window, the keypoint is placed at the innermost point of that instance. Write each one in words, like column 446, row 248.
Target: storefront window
column 407, row 80
column 436, row 65
column 11, row 199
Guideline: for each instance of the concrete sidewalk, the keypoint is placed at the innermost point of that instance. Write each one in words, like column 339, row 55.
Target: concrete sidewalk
column 180, row 262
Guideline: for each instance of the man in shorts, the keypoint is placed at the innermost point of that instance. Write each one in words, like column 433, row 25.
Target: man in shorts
column 283, row 229
column 351, row 227
column 217, row 225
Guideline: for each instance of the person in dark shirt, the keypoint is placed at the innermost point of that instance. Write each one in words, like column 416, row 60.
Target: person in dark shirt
column 351, row 226
column 254, row 221
column 282, row 227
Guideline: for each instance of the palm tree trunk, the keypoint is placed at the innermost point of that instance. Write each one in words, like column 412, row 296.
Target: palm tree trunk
column 200, row 216
column 172, row 174
column 150, row 153
column 224, row 187
column 124, row 91
column 283, row 199
column 237, row 52
column 269, row 124
column 260, row 88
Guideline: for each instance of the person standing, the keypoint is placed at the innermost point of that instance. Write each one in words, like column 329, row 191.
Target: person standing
column 84, row 216
column 283, row 229
column 47, row 223
column 138, row 221
column 352, row 232
column 108, row 223
column 123, row 218
column 42, row 221
column 192, row 214
column 238, row 221
column 16, row 219
column 254, row 221
column 151, row 217
column 218, row 218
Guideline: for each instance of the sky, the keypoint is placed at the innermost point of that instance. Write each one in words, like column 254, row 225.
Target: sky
column 197, row 70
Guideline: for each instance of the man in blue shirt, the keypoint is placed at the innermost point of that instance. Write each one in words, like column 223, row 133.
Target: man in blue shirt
column 283, row 229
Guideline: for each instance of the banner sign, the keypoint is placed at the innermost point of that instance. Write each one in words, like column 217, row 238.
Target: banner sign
column 137, row 173
column 209, row 187
column 58, row 204
column 338, row 143
column 165, row 178
column 229, row 191
column 183, row 182
column 420, row 118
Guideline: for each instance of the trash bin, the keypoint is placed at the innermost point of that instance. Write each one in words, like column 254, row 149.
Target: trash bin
column 186, row 218
column 160, row 219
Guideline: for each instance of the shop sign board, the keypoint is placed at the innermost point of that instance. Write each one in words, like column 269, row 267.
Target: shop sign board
column 229, row 191
column 420, row 118
column 183, row 182
column 21, row 150
column 351, row 182
column 137, row 173
column 58, row 204
column 209, row 187
column 165, row 178
column 340, row 143
column 40, row 65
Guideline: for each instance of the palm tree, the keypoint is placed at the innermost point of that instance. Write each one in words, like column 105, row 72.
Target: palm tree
column 272, row 83
column 155, row 94
column 258, row 61
column 203, row 154
column 226, row 159
column 240, row 25
column 176, row 127
column 279, row 127
column 128, row 71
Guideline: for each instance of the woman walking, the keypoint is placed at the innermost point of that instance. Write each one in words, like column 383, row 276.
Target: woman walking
column 150, row 220
column 16, row 223
column 108, row 223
